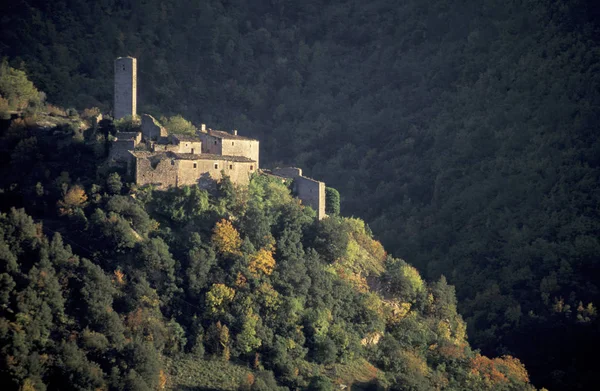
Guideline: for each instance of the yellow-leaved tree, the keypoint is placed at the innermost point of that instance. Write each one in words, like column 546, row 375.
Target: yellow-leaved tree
column 218, row 297
column 74, row 198
column 262, row 262
column 226, row 238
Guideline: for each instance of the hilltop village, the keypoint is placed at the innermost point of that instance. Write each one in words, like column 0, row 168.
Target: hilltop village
column 153, row 156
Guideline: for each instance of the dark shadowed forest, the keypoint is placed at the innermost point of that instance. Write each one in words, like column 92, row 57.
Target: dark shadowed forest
column 465, row 134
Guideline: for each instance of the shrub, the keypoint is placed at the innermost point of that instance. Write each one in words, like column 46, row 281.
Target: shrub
column 332, row 201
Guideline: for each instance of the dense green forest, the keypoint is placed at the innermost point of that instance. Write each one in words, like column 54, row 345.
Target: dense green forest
column 464, row 133
column 105, row 285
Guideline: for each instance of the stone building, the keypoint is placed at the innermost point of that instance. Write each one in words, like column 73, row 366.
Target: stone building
column 187, row 143
column 122, row 144
column 218, row 142
column 155, row 157
column 166, row 169
column 125, row 87
column 311, row 192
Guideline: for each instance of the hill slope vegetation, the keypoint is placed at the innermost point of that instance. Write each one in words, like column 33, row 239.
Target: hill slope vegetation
column 104, row 285
column 464, row 133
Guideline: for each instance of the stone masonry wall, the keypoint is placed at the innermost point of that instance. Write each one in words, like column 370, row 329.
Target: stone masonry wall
column 194, row 147
column 230, row 147
column 125, row 87
column 247, row 148
column 312, row 193
column 119, row 149
column 211, row 144
column 288, row 172
column 165, row 148
column 162, row 173
column 207, row 172
column 165, row 172
column 151, row 128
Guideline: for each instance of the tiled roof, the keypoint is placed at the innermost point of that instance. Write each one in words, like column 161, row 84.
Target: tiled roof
column 186, row 137
column 191, row 156
column 226, row 135
column 208, row 156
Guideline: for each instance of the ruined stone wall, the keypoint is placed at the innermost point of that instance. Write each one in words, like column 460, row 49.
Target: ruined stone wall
column 162, row 173
column 312, row 193
column 246, row 148
column 287, row 172
column 135, row 136
column 152, row 129
column 125, row 87
column 119, row 149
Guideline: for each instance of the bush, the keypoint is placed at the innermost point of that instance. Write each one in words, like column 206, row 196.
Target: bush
column 16, row 90
column 178, row 125
column 128, row 124
column 332, row 201
column 113, row 183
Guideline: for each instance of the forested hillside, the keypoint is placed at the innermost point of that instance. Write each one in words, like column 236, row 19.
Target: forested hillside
column 105, row 285
column 464, row 133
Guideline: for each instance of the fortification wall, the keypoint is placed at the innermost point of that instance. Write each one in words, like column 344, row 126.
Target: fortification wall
column 287, row 172
column 152, row 129
column 162, row 173
column 246, row 148
column 125, row 87
column 312, row 193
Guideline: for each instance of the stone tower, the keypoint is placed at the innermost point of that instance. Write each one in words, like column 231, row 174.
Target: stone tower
column 125, row 87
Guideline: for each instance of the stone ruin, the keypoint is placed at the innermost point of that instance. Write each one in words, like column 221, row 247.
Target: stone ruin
column 153, row 156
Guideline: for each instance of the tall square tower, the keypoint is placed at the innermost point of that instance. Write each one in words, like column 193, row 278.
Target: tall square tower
column 125, row 87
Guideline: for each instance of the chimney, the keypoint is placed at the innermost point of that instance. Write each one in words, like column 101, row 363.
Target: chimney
column 234, row 132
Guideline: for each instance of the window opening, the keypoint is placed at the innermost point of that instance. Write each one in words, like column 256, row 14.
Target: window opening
column 216, row 166
column 231, row 166
column 195, row 165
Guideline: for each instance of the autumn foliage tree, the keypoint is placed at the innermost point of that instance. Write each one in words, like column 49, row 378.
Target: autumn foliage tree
column 218, row 297
column 262, row 263
column 73, row 199
column 226, row 238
